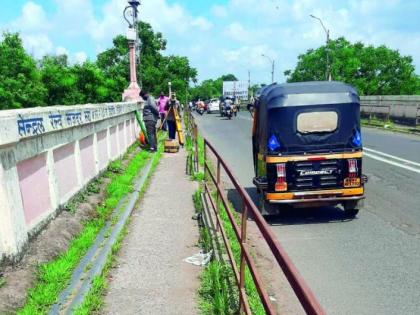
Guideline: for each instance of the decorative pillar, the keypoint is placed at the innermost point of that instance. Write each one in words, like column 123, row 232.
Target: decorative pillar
column 131, row 16
column 133, row 90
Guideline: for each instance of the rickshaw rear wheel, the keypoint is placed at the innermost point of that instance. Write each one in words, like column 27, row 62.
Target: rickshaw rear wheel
column 351, row 208
column 267, row 209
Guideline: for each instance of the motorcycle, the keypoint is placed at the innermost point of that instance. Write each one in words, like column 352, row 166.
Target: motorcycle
column 200, row 110
column 228, row 111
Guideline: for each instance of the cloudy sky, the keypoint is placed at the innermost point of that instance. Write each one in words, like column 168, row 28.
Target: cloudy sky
column 219, row 36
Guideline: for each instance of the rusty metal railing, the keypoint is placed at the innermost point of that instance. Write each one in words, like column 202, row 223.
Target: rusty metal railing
column 191, row 135
column 301, row 289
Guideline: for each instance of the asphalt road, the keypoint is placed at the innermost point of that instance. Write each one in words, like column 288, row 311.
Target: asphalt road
column 368, row 265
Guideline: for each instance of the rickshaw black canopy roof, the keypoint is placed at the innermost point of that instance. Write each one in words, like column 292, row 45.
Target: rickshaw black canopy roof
column 279, row 105
column 307, row 94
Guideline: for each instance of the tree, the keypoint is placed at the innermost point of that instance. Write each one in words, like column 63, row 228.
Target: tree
column 92, row 85
column 59, row 80
column 155, row 70
column 372, row 70
column 20, row 80
column 56, row 82
column 211, row 88
column 114, row 63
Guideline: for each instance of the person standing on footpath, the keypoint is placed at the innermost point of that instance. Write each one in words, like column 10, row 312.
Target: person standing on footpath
column 161, row 104
column 173, row 103
column 150, row 117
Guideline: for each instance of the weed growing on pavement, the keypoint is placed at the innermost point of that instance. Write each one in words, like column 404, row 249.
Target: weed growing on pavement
column 216, row 296
column 94, row 299
column 252, row 293
column 250, row 288
column 53, row 276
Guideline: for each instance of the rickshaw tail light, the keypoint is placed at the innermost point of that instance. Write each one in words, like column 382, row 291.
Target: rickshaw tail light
column 281, row 170
column 352, row 167
column 280, row 186
column 281, row 183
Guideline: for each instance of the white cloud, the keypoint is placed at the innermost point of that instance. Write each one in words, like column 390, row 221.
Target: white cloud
column 236, row 31
column 61, row 51
column 111, row 23
column 33, row 18
column 165, row 17
column 219, row 11
column 250, row 56
column 202, row 23
column 37, row 45
column 80, row 57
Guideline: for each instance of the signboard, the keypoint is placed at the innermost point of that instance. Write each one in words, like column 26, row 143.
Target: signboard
column 237, row 89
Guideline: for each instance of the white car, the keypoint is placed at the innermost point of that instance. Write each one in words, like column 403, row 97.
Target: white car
column 213, row 106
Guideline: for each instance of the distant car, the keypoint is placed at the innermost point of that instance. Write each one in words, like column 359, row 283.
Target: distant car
column 213, row 106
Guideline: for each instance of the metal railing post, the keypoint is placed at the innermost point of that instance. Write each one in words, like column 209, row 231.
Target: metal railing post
column 196, row 147
column 218, row 185
column 205, row 160
column 243, row 262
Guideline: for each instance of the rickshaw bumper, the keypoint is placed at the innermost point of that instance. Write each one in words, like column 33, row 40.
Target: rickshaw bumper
column 314, row 197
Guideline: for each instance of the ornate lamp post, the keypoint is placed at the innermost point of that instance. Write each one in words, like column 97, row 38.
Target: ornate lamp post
column 131, row 16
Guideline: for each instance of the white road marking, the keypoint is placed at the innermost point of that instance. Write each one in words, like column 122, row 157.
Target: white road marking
column 379, row 158
column 391, row 156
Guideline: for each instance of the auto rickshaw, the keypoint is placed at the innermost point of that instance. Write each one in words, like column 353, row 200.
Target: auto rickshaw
column 307, row 147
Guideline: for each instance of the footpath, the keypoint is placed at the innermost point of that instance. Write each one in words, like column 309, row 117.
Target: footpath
column 150, row 276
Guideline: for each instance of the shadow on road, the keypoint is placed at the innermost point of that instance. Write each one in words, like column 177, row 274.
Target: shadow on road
column 292, row 216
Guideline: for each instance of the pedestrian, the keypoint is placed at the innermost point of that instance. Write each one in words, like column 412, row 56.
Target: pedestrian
column 161, row 104
column 173, row 103
column 150, row 117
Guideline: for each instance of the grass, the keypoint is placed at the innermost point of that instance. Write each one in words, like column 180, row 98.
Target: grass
column 218, row 294
column 2, row 282
column 388, row 125
column 53, row 276
column 251, row 290
column 215, row 293
column 94, row 301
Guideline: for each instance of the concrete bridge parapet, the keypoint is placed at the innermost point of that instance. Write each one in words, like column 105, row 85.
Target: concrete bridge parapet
column 47, row 155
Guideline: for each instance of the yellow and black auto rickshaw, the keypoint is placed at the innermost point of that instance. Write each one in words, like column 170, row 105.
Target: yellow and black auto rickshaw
column 307, row 146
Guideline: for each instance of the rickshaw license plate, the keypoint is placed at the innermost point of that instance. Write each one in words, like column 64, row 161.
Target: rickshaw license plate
column 352, row 182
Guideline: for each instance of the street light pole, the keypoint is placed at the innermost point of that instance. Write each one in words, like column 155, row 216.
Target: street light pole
column 131, row 16
column 272, row 66
column 327, row 32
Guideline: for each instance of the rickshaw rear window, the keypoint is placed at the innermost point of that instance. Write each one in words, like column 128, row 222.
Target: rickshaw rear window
column 311, row 122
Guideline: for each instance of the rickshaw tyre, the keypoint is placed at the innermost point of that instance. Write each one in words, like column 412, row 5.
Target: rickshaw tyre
column 351, row 208
column 351, row 212
column 267, row 209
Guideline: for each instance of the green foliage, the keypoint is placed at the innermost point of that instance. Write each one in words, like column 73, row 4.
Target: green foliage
column 372, row 70
column 20, row 80
column 217, row 294
column 25, row 82
column 155, row 70
column 210, row 88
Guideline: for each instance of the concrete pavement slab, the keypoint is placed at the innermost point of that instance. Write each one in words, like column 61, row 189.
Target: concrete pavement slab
column 150, row 276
